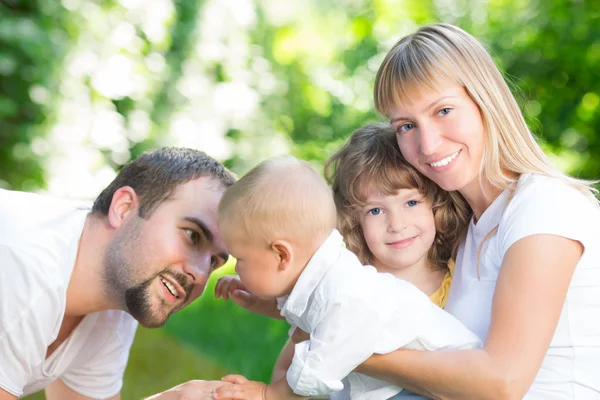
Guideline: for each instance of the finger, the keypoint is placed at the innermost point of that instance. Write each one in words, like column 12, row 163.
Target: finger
column 219, row 287
column 237, row 283
column 243, row 298
column 230, row 393
column 234, row 378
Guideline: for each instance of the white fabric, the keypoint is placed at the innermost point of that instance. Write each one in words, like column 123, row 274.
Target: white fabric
column 540, row 205
column 38, row 245
column 352, row 312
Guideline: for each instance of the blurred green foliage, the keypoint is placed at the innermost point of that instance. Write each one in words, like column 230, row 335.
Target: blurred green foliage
column 268, row 76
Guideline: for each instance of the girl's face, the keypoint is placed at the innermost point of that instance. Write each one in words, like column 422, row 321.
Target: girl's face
column 441, row 133
column 399, row 229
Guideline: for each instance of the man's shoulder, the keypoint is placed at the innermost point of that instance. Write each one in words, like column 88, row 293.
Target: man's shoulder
column 41, row 231
column 24, row 215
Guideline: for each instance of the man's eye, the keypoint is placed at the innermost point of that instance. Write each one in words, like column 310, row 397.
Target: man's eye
column 193, row 235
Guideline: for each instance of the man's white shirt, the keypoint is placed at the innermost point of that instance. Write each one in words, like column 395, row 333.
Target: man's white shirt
column 39, row 237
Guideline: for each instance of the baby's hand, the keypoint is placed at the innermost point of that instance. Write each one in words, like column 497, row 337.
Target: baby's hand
column 226, row 286
column 231, row 286
column 242, row 389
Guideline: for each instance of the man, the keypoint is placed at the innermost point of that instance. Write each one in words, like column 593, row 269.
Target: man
column 74, row 282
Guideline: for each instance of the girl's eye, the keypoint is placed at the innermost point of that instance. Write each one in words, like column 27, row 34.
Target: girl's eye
column 444, row 111
column 405, row 128
column 412, row 203
column 214, row 262
column 374, row 211
column 193, row 235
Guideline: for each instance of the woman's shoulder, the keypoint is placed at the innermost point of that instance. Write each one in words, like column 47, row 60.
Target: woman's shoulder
column 535, row 190
column 544, row 204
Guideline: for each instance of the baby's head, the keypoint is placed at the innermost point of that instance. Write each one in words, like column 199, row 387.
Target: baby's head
column 370, row 165
column 273, row 220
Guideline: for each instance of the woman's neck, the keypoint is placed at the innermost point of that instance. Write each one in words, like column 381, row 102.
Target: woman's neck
column 480, row 196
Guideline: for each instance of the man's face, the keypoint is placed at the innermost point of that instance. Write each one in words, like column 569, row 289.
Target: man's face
column 158, row 265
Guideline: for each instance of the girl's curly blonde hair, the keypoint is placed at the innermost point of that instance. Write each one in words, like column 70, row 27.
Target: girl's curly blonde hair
column 371, row 158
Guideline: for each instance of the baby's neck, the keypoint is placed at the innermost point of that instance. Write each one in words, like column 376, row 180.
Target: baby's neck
column 423, row 275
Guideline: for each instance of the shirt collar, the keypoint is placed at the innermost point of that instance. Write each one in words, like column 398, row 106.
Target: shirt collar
column 325, row 256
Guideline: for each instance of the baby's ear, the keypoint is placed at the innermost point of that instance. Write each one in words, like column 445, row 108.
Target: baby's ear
column 284, row 252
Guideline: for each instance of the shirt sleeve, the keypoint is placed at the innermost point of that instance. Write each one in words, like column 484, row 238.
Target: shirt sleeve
column 102, row 375
column 544, row 205
column 30, row 309
column 345, row 338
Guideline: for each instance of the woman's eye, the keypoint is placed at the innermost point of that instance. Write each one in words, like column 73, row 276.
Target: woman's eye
column 193, row 235
column 374, row 211
column 444, row 111
column 405, row 128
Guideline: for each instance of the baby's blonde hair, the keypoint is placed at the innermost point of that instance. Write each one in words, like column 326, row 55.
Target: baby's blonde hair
column 281, row 198
column 442, row 53
column 371, row 159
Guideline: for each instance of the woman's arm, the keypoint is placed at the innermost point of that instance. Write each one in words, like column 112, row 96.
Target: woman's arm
column 528, row 299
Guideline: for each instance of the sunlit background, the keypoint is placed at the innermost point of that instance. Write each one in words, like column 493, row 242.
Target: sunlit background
column 85, row 86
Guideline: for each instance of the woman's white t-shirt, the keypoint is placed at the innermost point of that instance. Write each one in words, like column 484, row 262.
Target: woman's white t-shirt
column 540, row 205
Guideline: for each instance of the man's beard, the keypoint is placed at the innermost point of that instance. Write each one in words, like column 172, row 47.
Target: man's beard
column 139, row 304
column 120, row 276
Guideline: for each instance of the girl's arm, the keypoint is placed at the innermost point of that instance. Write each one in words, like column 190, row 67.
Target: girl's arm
column 528, row 299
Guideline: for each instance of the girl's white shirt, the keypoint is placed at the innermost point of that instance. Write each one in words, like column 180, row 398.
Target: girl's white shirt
column 540, row 205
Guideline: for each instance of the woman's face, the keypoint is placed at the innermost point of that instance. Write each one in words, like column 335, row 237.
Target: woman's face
column 441, row 134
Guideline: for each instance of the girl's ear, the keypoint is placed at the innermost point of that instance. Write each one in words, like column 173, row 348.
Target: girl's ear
column 284, row 253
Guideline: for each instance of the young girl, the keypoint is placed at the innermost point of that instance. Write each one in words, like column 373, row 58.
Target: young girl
column 527, row 273
column 380, row 198
column 377, row 192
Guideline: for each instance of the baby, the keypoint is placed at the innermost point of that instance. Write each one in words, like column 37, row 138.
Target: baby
column 279, row 222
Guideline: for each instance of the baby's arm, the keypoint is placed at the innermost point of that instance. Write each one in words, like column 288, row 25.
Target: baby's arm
column 230, row 286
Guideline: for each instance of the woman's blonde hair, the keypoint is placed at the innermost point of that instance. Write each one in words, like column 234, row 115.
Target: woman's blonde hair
column 371, row 159
column 442, row 53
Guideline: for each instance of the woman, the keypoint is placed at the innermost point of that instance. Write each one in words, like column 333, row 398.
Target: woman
column 527, row 277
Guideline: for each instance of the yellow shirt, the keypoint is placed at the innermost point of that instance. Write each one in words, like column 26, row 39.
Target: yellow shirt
column 440, row 296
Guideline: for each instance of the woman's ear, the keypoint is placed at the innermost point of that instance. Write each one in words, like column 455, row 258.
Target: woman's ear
column 284, row 253
column 124, row 202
